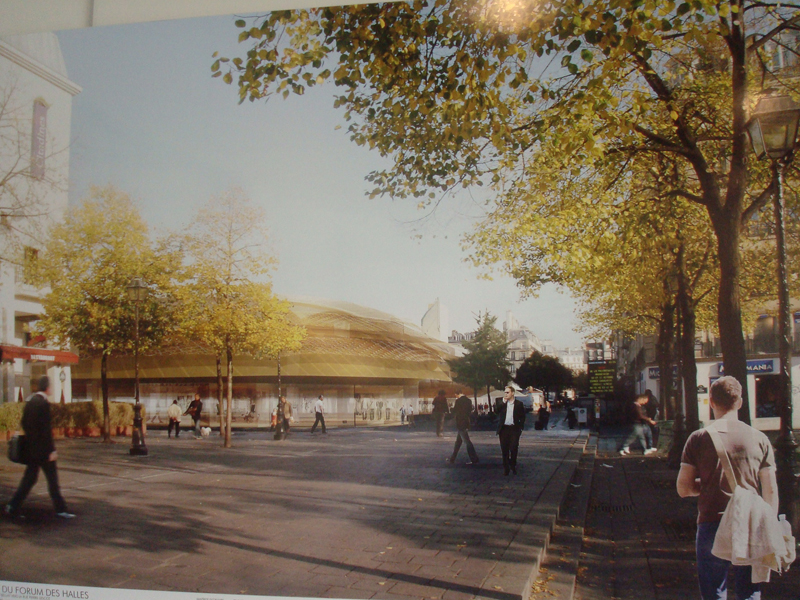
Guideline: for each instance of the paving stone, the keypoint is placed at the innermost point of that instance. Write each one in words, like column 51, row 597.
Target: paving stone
column 299, row 518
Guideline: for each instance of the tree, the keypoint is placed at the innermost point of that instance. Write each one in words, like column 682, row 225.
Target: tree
column 452, row 90
column 89, row 260
column 544, row 372
column 485, row 363
column 223, row 305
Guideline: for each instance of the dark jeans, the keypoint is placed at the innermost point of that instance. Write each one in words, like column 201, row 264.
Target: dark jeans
column 641, row 432
column 712, row 572
column 176, row 425
column 463, row 434
column 281, row 429
column 439, row 423
column 29, row 480
column 319, row 418
column 509, row 445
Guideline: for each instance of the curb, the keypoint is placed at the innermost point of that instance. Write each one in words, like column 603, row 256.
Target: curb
column 533, row 537
column 557, row 574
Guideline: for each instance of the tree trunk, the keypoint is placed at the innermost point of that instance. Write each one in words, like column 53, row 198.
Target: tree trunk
column 488, row 395
column 219, row 396
column 104, row 387
column 688, row 363
column 279, row 377
column 726, row 227
column 229, row 403
column 666, row 330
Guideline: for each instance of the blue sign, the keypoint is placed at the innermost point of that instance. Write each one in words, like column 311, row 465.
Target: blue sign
column 764, row 365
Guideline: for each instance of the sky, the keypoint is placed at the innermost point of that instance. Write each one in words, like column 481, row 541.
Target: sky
column 152, row 121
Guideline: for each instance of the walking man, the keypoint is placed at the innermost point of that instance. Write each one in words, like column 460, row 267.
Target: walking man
column 282, row 418
column 39, row 453
column 641, row 428
column 440, row 409
column 462, row 411
column 511, row 413
column 701, row 475
column 318, row 416
column 195, row 409
column 174, row 415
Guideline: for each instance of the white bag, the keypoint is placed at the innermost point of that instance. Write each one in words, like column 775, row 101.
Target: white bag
column 749, row 533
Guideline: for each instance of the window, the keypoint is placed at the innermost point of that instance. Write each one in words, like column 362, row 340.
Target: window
column 38, row 138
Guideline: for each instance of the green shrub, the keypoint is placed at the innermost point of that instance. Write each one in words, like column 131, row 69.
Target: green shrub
column 10, row 416
column 74, row 414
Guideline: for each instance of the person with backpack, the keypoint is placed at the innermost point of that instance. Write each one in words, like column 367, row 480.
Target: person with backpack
column 39, row 453
column 702, row 474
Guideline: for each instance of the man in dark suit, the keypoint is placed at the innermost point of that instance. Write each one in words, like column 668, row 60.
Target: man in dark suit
column 511, row 413
column 40, row 452
column 463, row 412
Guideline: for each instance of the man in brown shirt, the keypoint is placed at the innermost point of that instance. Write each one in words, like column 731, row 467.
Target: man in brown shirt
column 701, row 475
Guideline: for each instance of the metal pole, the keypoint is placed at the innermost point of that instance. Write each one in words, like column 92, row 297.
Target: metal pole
column 138, row 447
column 785, row 445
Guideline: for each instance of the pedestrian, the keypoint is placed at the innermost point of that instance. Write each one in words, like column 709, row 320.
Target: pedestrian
column 283, row 417
column 701, row 475
column 440, row 409
column 174, row 414
column 318, row 416
column 462, row 412
column 39, row 453
column 511, row 413
column 651, row 408
column 544, row 414
column 640, row 429
column 194, row 409
column 402, row 415
column 410, row 416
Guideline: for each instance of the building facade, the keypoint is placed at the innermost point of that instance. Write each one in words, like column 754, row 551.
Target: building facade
column 637, row 360
column 367, row 365
column 36, row 101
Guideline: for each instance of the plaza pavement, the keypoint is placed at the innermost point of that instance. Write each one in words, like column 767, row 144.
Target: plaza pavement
column 625, row 534
column 356, row 513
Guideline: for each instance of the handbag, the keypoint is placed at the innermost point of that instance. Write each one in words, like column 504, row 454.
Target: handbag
column 16, row 449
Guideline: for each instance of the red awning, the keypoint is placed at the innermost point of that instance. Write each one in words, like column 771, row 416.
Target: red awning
column 8, row 352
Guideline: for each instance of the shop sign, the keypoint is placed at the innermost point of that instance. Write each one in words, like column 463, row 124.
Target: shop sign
column 764, row 365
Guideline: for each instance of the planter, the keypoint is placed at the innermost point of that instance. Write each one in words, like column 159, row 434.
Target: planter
column 92, row 432
column 9, row 434
column 58, row 433
column 128, row 431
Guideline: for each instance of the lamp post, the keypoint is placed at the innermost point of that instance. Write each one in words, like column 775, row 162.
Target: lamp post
column 136, row 292
column 773, row 130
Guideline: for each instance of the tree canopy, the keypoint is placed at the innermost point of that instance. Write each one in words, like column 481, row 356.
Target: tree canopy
column 544, row 372
column 226, row 303
column 89, row 260
column 466, row 92
column 485, row 363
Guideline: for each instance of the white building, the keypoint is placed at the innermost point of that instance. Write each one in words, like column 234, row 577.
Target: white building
column 573, row 358
column 435, row 321
column 637, row 358
column 36, row 97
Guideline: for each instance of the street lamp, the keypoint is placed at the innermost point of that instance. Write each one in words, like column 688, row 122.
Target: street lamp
column 136, row 292
column 773, row 131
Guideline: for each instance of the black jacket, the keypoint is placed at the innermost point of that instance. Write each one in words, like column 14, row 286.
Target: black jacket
column 462, row 411
column 519, row 415
column 38, row 432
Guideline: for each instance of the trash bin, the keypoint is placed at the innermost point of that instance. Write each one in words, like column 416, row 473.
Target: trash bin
column 583, row 417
